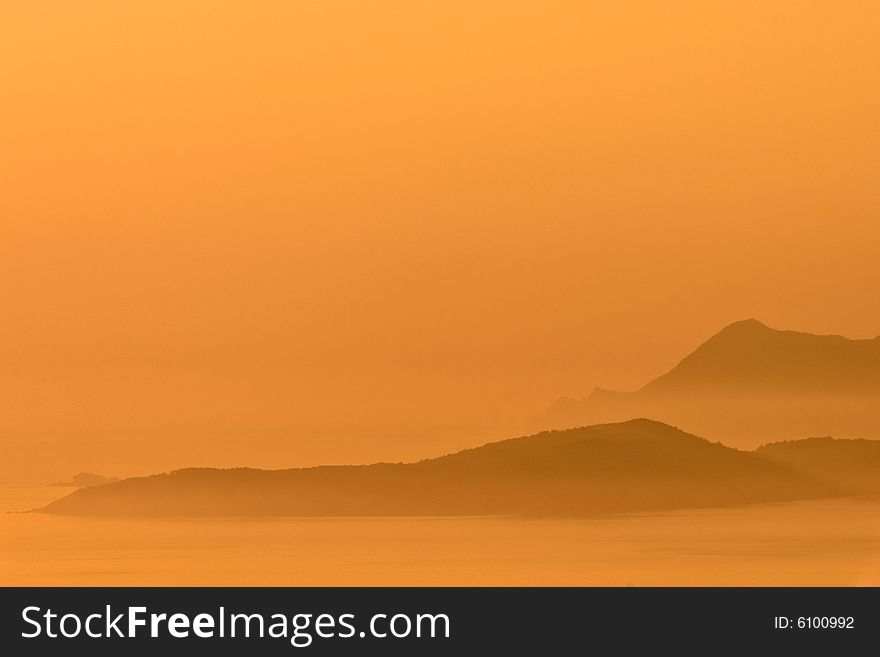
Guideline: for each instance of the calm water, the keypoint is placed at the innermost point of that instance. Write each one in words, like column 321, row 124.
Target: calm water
column 819, row 543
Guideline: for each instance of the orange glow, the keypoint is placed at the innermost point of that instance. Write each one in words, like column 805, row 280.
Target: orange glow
column 286, row 233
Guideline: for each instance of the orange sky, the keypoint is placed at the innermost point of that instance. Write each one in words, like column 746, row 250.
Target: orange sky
column 281, row 233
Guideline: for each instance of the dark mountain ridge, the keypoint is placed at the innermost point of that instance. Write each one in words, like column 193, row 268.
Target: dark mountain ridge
column 749, row 357
column 751, row 384
column 638, row 465
column 848, row 464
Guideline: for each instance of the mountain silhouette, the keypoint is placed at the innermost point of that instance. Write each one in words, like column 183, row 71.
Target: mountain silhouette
column 750, row 357
column 853, row 465
column 751, row 384
column 637, row 465
column 85, row 479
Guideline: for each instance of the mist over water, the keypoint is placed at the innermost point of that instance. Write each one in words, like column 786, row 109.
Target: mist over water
column 825, row 543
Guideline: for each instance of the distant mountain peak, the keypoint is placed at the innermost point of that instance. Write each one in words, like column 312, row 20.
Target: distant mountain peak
column 740, row 332
column 750, row 325
column 750, row 383
column 751, row 322
column 85, row 479
column 748, row 356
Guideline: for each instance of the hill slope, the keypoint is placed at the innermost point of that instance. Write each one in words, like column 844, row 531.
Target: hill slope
column 750, row 384
column 748, row 356
column 631, row 466
column 853, row 465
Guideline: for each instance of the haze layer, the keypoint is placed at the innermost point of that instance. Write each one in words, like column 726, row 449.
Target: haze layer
column 286, row 233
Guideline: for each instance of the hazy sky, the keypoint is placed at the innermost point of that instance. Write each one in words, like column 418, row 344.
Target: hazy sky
column 294, row 232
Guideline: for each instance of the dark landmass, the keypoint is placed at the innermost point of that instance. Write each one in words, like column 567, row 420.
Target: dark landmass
column 748, row 385
column 639, row 465
column 853, row 465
